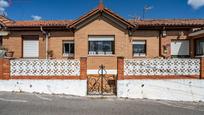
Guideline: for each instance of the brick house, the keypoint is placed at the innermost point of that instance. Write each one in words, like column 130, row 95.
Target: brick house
column 102, row 36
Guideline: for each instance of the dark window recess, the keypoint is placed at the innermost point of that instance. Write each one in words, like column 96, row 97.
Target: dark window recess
column 199, row 47
column 68, row 48
column 101, row 47
column 139, row 48
column 180, row 56
column 1, row 41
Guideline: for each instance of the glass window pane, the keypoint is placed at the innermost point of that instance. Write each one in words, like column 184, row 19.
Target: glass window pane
column 199, row 47
column 1, row 41
column 71, row 48
column 91, row 46
column 139, row 48
column 101, row 47
column 66, row 48
column 107, row 47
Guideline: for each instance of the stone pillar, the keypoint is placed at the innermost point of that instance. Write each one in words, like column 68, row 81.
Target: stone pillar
column 120, row 68
column 202, row 68
column 83, row 68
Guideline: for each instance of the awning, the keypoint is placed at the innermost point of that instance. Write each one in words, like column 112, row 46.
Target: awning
column 4, row 33
column 197, row 33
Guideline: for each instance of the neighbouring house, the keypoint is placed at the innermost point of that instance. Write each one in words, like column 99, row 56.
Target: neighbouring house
column 101, row 35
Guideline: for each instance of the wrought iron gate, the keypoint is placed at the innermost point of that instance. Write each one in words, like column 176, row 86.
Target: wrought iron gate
column 102, row 84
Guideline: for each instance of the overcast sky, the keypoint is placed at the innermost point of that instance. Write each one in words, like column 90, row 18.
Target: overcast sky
column 72, row 9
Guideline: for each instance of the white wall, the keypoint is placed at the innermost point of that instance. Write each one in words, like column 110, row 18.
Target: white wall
column 178, row 90
column 69, row 87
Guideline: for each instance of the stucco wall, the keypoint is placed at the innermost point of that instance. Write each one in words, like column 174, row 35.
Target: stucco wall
column 178, row 90
column 69, row 87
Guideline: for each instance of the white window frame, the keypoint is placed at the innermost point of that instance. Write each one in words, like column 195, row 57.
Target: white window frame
column 68, row 54
column 173, row 53
column 31, row 38
column 143, row 42
column 98, row 39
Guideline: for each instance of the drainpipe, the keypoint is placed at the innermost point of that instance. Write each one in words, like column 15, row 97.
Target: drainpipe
column 47, row 35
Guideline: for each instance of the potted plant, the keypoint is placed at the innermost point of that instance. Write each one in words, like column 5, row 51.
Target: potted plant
column 50, row 54
column 9, row 54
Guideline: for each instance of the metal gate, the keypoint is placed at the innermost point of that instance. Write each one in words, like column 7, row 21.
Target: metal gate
column 102, row 84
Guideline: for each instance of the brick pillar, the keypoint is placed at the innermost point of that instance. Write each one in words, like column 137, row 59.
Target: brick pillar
column 6, row 69
column 165, row 43
column 83, row 68
column 202, row 68
column 120, row 68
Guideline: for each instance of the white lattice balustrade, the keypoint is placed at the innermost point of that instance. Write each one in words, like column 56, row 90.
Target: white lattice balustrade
column 45, row 67
column 162, row 67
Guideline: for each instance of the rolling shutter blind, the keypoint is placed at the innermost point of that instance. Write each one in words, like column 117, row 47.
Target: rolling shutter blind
column 180, row 47
column 101, row 38
column 30, row 48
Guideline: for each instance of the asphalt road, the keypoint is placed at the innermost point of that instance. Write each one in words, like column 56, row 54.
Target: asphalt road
column 42, row 104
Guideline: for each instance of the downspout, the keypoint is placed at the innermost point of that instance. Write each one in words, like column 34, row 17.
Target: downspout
column 160, row 43
column 47, row 35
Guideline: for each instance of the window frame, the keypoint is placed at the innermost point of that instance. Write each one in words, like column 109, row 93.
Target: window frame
column 196, row 46
column 1, row 41
column 139, row 54
column 30, row 37
column 102, row 39
column 180, row 56
column 63, row 48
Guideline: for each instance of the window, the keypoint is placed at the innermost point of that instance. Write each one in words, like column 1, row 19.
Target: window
column 30, row 46
column 180, row 48
column 199, row 47
column 101, row 45
column 1, row 41
column 68, row 48
column 139, row 48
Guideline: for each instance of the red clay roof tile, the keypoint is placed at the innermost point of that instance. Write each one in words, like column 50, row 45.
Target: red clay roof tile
column 169, row 22
column 55, row 23
column 159, row 22
column 40, row 23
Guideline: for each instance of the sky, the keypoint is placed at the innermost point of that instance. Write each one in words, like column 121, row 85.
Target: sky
column 73, row 9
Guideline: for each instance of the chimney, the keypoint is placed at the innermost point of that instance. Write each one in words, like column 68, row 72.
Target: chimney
column 101, row 5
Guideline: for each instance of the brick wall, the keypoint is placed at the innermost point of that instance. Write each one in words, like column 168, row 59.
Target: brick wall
column 104, row 27
column 166, row 41
column 120, row 68
column 123, row 42
column 56, row 42
column 4, row 69
column 15, row 43
column 152, row 43
column 202, row 68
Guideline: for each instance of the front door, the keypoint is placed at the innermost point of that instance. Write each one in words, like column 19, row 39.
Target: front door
column 102, row 84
